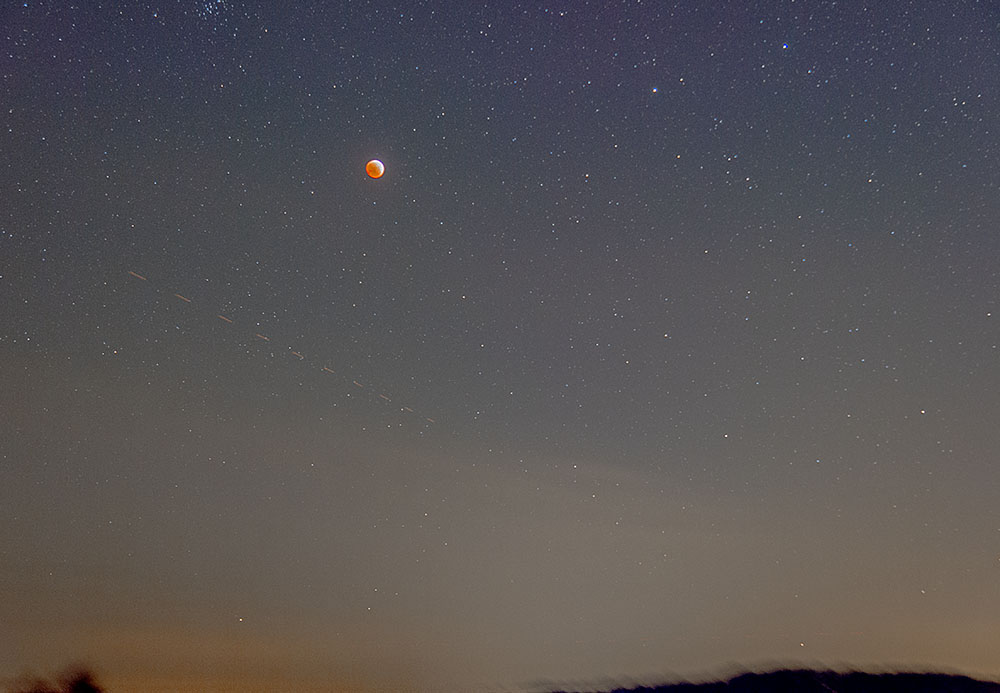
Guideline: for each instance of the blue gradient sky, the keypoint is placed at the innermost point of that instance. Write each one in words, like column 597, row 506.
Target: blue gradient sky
column 668, row 341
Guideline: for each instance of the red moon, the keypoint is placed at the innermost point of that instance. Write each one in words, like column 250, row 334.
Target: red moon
column 375, row 168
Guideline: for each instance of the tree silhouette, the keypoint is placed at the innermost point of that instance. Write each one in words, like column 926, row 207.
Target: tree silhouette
column 78, row 681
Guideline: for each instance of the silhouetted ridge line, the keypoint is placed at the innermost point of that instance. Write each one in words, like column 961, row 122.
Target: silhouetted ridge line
column 809, row 681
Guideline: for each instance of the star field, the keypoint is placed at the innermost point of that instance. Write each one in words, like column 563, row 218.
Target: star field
column 668, row 340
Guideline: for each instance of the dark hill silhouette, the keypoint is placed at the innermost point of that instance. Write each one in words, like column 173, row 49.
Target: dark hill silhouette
column 810, row 681
column 779, row 681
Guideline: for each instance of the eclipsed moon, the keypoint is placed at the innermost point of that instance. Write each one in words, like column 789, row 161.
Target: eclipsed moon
column 375, row 168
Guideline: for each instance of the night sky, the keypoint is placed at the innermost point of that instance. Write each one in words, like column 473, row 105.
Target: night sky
column 669, row 341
